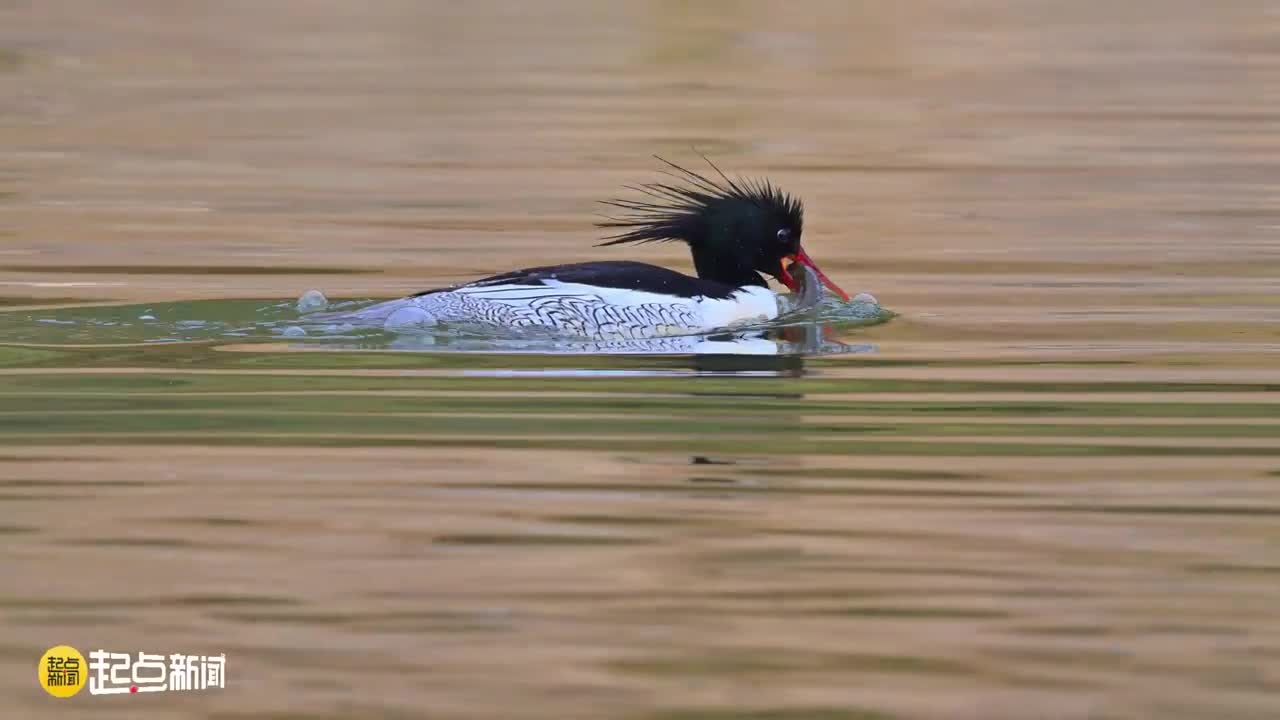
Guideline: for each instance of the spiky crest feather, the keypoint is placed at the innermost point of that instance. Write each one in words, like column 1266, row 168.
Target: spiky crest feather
column 678, row 211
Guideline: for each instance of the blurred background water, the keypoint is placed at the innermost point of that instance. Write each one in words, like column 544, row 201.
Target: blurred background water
column 1047, row 488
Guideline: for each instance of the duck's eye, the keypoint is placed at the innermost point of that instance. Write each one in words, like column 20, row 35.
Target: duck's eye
column 785, row 238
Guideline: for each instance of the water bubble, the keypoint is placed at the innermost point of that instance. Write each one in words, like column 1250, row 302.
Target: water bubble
column 294, row 331
column 311, row 301
column 867, row 298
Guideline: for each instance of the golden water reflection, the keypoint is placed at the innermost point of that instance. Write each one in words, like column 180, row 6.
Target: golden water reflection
column 1049, row 487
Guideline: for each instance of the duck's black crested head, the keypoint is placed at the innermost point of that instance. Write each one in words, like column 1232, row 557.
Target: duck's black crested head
column 735, row 228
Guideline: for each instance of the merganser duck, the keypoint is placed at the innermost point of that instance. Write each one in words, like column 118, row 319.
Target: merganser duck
column 736, row 230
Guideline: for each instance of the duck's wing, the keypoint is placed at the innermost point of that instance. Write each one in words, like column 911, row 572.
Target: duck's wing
column 613, row 274
column 605, row 299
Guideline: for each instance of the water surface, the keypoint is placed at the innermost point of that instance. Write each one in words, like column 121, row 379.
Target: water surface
column 1049, row 487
